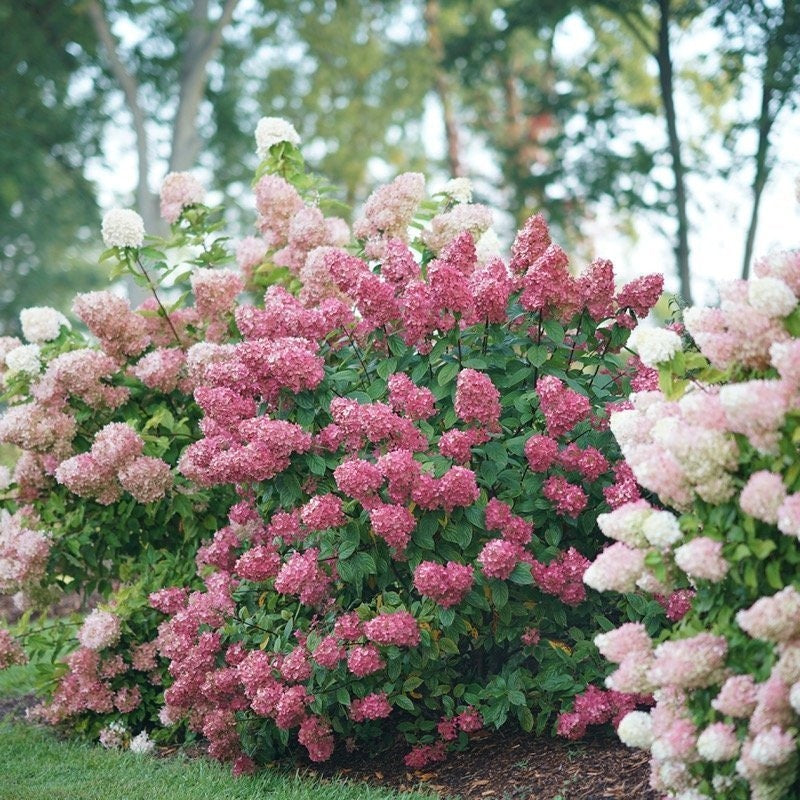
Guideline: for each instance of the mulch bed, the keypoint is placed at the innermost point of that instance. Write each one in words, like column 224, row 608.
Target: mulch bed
column 516, row 766
column 496, row 766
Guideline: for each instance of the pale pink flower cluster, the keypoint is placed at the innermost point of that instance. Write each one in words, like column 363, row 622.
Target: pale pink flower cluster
column 617, row 569
column 39, row 429
column 113, row 464
column 390, row 208
column 10, row 651
column 736, row 332
column 473, row 218
column 775, row 618
column 23, row 552
column 100, row 629
column 82, row 374
column 178, row 191
column 690, row 663
column 121, row 332
column 763, row 495
column 702, row 559
column 215, row 291
column 161, row 369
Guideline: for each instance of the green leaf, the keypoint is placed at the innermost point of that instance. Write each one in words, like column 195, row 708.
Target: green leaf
column 411, row 683
column 403, row 702
column 554, row 330
column 525, row 718
column 447, row 373
column 521, row 574
column 499, row 594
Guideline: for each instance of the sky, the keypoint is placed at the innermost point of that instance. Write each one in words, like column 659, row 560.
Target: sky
column 719, row 209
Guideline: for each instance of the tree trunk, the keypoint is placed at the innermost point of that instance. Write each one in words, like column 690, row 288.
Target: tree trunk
column 664, row 58
column 762, row 173
column 202, row 41
column 443, row 88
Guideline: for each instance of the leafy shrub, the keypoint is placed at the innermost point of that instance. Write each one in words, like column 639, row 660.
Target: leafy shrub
column 718, row 445
column 420, row 447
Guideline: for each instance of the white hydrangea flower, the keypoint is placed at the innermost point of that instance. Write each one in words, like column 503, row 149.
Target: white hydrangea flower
column 5, row 477
column 270, row 131
column 123, row 227
column 142, row 744
column 25, row 358
column 771, row 297
column 459, row 189
column 487, row 248
column 42, row 323
column 661, row 529
column 654, row 345
column 636, row 730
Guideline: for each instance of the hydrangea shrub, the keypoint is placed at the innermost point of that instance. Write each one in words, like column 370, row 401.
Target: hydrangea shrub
column 101, row 413
column 716, row 444
column 402, row 467
column 419, row 442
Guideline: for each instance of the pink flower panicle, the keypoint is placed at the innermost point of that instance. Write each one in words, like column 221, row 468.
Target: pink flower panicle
column 477, row 399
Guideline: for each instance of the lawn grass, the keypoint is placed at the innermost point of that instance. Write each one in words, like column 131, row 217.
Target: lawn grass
column 36, row 765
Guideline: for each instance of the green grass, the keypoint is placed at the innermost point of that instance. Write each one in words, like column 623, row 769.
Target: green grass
column 36, row 765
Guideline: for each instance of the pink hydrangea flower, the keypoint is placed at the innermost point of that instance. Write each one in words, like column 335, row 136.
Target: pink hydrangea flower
column 499, row 557
column 477, row 399
column 397, row 627
column 373, row 706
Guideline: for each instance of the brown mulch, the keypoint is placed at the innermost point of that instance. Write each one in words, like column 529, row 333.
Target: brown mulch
column 14, row 705
column 518, row 766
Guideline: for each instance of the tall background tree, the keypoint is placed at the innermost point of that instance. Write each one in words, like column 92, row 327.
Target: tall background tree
column 576, row 108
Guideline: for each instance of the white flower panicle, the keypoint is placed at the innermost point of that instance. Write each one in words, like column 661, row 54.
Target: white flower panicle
column 270, row 131
column 636, row 730
column 5, row 477
column 26, row 358
column 654, row 345
column 487, row 248
column 661, row 529
column 123, row 227
column 459, row 189
column 771, row 296
column 42, row 323
column 142, row 744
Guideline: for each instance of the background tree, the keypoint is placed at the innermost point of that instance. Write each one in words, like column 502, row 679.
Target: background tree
column 763, row 39
column 47, row 205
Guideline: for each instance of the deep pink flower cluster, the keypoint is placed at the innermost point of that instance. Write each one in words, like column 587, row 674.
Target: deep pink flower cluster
column 499, row 557
column 447, row 584
column 596, row 707
column 563, row 408
column 304, row 576
column 394, row 524
column 394, row 627
column 409, row 399
column 477, row 399
column 562, row 577
column 373, row 706
column 568, row 498
column 469, row 721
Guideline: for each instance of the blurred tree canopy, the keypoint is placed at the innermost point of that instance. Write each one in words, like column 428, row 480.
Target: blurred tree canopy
column 566, row 106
